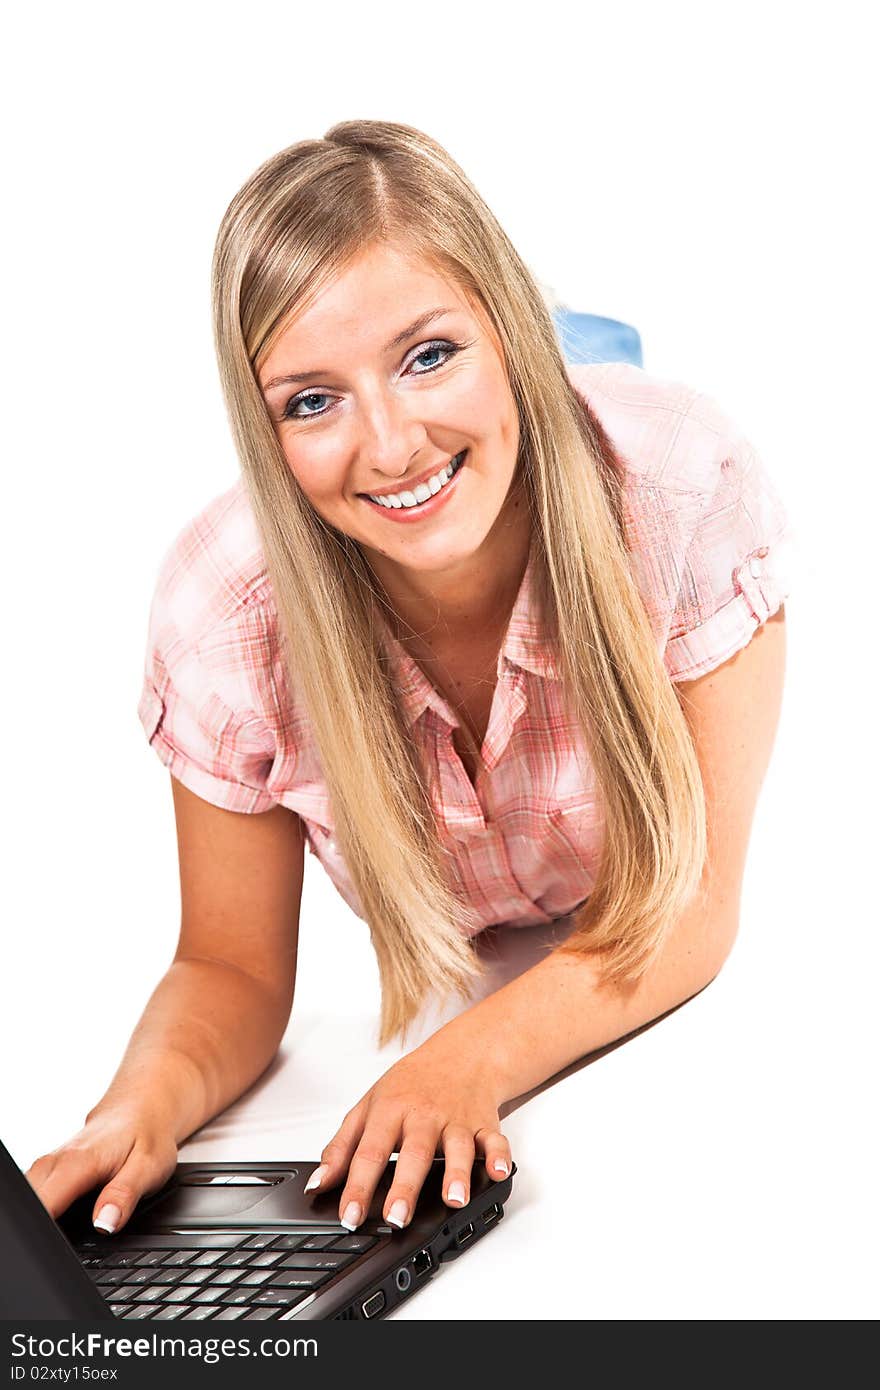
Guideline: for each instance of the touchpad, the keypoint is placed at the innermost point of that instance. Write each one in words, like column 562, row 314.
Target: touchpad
column 212, row 1197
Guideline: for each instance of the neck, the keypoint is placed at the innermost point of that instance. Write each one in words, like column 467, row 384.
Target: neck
column 470, row 599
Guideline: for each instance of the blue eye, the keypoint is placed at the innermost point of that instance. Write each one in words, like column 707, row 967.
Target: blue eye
column 434, row 348
column 299, row 400
column 447, row 350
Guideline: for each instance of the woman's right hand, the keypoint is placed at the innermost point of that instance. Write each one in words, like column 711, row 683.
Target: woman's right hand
column 126, row 1150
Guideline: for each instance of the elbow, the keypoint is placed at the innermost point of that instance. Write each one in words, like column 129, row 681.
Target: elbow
column 701, row 956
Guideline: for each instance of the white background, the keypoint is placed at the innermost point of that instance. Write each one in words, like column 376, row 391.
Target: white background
column 700, row 171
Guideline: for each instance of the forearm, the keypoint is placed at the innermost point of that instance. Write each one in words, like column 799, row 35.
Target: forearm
column 208, row 1031
column 561, row 1009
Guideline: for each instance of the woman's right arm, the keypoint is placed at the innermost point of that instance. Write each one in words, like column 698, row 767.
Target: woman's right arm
column 214, row 1021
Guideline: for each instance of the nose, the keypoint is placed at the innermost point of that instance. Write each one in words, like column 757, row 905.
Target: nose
column 390, row 437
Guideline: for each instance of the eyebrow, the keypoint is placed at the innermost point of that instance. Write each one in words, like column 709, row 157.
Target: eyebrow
column 411, row 329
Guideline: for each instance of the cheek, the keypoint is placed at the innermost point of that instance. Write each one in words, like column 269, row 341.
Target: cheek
column 488, row 413
column 319, row 479
column 506, row 417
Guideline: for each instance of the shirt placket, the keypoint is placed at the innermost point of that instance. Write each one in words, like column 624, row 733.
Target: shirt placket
column 466, row 809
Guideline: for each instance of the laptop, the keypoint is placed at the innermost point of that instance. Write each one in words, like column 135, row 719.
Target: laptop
column 224, row 1242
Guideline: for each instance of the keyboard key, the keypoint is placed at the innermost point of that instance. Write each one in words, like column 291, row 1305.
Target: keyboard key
column 299, row 1278
column 260, row 1242
column 207, row 1257
column 290, row 1242
column 237, row 1296
column 139, row 1276
column 199, row 1314
column 279, row 1296
column 169, row 1311
column 225, row 1276
column 178, row 1295
column 206, row 1295
column 231, row 1258
column 229, row 1314
column 355, row 1243
column 259, row 1276
column 119, row 1310
column 127, row 1293
column 106, row 1278
column 151, row 1257
column 195, row 1276
column 179, row 1257
column 308, row 1259
column 141, row 1310
column 120, row 1259
column 156, row 1294
column 260, row 1313
column 268, row 1257
column 320, row 1242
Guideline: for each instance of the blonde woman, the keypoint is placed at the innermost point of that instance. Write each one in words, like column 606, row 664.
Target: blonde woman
column 502, row 641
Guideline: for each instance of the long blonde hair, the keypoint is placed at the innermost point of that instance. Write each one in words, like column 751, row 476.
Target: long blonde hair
column 295, row 223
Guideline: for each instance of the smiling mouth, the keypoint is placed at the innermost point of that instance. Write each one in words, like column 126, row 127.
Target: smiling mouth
column 407, row 500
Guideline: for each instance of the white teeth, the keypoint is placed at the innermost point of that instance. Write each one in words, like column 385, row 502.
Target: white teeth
column 421, row 493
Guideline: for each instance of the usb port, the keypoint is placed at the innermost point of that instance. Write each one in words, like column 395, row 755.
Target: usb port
column 374, row 1304
column 464, row 1235
column 491, row 1214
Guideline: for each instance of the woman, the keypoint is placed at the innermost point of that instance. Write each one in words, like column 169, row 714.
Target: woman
column 495, row 637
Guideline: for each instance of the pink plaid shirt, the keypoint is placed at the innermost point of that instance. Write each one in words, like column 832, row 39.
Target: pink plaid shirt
column 710, row 548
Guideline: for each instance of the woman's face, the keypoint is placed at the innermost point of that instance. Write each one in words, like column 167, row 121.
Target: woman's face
column 385, row 381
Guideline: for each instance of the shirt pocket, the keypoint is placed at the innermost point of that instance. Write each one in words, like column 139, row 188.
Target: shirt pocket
column 574, row 836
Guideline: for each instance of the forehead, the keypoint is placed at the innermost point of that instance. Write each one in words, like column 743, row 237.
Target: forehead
column 375, row 296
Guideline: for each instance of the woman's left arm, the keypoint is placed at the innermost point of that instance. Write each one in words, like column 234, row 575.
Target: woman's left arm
column 446, row 1093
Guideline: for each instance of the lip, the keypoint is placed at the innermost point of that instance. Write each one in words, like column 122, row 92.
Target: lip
column 407, row 515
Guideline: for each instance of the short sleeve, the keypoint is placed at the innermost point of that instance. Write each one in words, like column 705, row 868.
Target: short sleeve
column 194, row 705
column 737, row 568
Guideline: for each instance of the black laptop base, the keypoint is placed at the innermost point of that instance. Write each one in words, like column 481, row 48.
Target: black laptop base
column 237, row 1241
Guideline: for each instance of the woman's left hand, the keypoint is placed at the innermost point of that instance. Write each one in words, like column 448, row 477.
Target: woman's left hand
column 436, row 1099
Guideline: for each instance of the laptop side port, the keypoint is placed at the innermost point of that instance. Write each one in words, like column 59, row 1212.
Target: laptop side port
column 421, row 1263
column 491, row 1214
column 464, row 1235
column 374, row 1304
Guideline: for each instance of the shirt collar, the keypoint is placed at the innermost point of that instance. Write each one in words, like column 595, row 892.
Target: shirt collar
column 524, row 646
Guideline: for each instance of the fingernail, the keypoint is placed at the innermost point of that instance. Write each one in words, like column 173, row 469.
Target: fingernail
column 398, row 1213
column 499, row 1166
column 456, row 1192
column 317, row 1177
column 351, row 1217
column 108, row 1218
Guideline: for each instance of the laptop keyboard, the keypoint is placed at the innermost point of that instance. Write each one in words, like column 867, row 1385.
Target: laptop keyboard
column 260, row 1276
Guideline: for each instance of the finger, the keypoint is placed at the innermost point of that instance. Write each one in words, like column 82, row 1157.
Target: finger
column 336, row 1155
column 370, row 1159
column 66, row 1173
column 413, row 1164
column 143, row 1171
column 458, row 1146
column 493, row 1146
